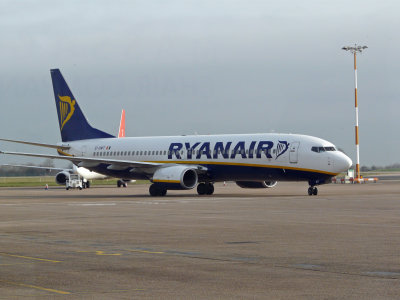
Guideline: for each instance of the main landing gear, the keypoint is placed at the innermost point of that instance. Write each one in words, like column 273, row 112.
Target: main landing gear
column 312, row 190
column 205, row 188
column 156, row 190
column 121, row 183
column 86, row 184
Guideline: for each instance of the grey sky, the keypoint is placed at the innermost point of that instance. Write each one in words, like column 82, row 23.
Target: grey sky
column 180, row 67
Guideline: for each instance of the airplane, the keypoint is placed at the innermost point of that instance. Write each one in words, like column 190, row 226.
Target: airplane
column 121, row 131
column 121, row 134
column 186, row 162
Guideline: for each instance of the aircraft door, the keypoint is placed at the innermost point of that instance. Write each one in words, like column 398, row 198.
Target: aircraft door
column 293, row 152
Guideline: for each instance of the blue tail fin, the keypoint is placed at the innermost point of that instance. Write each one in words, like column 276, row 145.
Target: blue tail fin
column 73, row 124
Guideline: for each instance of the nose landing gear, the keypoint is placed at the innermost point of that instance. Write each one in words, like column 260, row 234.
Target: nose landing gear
column 312, row 190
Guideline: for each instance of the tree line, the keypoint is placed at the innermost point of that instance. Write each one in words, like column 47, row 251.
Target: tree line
column 17, row 171
column 392, row 167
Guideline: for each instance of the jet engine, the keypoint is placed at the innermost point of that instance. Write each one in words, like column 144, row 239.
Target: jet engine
column 256, row 184
column 176, row 178
column 62, row 177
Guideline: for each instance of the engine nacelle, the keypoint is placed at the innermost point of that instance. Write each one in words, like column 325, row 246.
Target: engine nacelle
column 62, row 177
column 256, row 184
column 176, row 177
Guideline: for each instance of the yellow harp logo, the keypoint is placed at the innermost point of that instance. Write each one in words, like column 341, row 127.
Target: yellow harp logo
column 67, row 109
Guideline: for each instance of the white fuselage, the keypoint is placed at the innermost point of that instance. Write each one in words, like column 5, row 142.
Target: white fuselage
column 227, row 157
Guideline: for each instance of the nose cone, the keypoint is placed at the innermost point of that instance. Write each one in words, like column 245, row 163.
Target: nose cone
column 344, row 162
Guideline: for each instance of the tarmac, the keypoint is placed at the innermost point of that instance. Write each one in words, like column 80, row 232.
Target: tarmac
column 278, row 243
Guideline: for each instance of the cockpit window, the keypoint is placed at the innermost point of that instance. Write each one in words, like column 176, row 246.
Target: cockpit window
column 330, row 149
column 322, row 149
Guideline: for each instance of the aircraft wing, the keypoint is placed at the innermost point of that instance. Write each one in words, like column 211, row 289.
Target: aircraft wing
column 38, row 144
column 36, row 167
column 92, row 162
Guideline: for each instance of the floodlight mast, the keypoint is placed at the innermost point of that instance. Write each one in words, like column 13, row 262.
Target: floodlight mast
column 356, row 49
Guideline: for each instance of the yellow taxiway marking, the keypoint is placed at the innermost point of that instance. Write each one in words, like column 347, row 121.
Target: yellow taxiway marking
column 102, row 253
column 145, row 251
column 107, row 292
column 28, row 257
column 36, row 287
column 99, row 253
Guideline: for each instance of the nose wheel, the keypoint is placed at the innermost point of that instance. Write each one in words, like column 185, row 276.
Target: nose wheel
column 312, row 190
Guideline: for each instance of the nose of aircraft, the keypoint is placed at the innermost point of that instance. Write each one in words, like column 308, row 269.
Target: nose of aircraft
column 344, row 162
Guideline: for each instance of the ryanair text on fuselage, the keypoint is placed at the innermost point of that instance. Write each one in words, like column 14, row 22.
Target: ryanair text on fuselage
column 223, row 150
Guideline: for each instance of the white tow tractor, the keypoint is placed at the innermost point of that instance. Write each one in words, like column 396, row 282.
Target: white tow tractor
column 74, row 181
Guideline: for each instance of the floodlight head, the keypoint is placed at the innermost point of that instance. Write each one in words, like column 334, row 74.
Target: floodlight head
column 355, row 48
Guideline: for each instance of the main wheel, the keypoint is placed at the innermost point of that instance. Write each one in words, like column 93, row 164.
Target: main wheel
column 310, row 191
column 315, row 191
column 119, row 183
column 201, row 189
column 209, row 188
column 156, row 190
column 153, row 190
